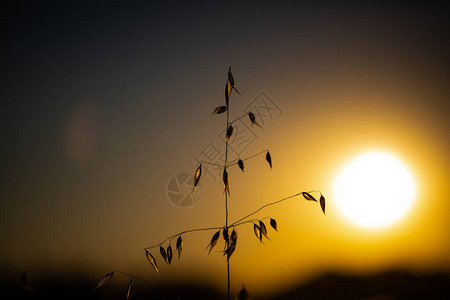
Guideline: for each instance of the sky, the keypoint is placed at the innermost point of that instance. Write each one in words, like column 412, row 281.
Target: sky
column 104, row 103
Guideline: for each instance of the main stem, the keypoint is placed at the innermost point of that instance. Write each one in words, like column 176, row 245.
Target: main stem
column 226, row 199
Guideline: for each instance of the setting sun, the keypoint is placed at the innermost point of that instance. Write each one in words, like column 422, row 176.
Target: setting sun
column 374, row 190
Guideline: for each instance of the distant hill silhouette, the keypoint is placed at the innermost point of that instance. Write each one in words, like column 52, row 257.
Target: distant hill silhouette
column 385, row 286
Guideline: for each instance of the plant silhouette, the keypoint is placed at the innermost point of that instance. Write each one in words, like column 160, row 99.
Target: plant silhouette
column 229, row 230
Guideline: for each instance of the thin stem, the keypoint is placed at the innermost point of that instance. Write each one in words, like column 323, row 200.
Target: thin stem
column 255, row 155
column 212, row 164
column 250, row 157
column 228, row 279
column 248, row 222
column 237, row 119
column 315, row 192
column 226, row 192
column 180, row 233
column 226, row 208
column 136, row 277
column 264, row 206
column 149, row 281
column 225, row 168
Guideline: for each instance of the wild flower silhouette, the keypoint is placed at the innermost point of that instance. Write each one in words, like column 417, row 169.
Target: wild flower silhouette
column 229, row 230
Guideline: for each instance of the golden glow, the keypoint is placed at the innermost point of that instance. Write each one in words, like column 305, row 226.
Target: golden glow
column 374, row 190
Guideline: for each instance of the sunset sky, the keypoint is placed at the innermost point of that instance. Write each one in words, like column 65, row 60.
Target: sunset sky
column 103, row 103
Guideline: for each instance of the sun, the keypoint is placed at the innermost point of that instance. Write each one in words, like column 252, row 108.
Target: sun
column 374, row 190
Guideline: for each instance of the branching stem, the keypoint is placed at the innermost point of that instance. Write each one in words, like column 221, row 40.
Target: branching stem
column 264, row 206
column 212, row 164
column 250, row 157
column 183, row 232
column 148, row 281
column 244, row 220
column 237, row 119
column 233, row 162
column 234, row 224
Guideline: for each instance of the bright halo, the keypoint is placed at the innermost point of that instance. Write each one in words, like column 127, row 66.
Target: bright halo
column 374, row 190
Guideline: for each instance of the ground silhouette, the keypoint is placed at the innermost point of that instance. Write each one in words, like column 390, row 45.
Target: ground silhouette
column 384, row 286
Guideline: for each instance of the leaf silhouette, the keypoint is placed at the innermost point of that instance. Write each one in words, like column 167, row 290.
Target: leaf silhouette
column 197, row 175
column 231, row 81
column 243, row 294
column 257, row 231
column 230, row 249
column 130, row 285
column 105, row 279
column 230, row 77
column 241, row 164
column 226, row 183
column 234, row 87
column 227, row 93
column 213, row 241
column 152, row 261
column 226, row 236
column 169, row 254
column 273, row 223
column 229, row 132
column 179, row 246
column 219, row 110
column 163, row 253
column 263, row 229
column 253, row 119
column 229, row 88
column 233, row 236
column 269, row 159
column 251, row 116
column 322, row 203
column 308, row 196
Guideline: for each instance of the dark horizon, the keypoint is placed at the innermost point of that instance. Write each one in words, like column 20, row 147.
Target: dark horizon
column 388, row 285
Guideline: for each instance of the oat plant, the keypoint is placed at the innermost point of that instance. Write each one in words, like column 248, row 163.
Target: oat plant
column 228, row 231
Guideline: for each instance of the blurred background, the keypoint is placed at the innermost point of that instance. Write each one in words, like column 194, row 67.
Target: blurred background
column 103, row 104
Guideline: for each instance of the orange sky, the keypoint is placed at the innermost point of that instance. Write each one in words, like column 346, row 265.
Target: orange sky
column 99, row 117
